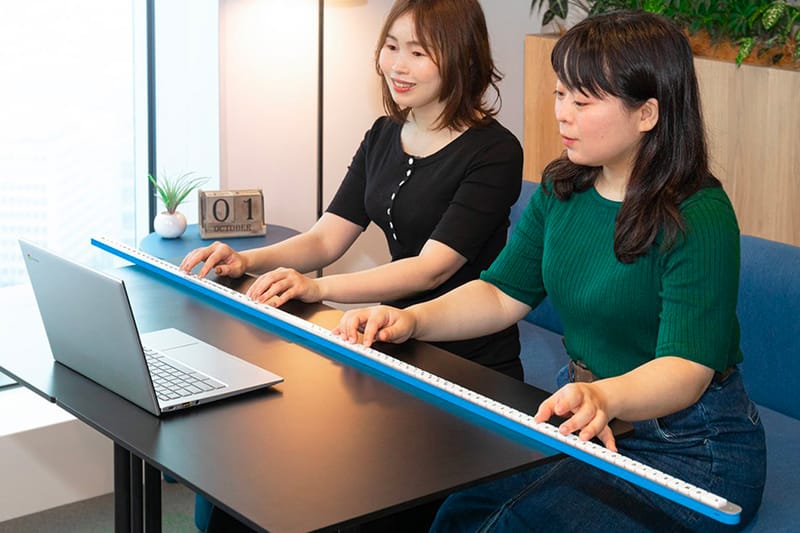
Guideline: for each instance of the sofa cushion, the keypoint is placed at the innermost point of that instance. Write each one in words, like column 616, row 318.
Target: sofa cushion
column 778, row 511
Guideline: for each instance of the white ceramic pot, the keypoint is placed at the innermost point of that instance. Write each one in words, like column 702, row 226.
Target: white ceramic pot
column 170, row 225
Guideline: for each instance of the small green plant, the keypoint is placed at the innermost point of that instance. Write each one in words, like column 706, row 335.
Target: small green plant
column 173, row 191
column 754, row 26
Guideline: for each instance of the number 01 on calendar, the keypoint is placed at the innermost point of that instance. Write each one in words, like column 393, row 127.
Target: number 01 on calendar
column 235, row 213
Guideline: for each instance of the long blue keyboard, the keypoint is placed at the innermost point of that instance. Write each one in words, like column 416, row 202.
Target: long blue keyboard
column 520, row 423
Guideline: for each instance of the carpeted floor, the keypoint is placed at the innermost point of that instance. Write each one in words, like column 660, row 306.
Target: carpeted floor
column 96, row 515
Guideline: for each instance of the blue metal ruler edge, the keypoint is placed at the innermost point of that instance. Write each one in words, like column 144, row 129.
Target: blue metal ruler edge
column 436, row 392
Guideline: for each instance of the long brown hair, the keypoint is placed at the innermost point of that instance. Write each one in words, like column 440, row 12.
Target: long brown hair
column 454, row 34
column 636, row 56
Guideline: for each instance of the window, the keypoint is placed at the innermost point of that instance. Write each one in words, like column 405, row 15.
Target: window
column 73, row 102
column 68, row 146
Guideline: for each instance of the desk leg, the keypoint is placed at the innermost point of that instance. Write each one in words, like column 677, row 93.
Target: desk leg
column 152, row 499
column 131, row 510
column 122, row 489
column 137, row 504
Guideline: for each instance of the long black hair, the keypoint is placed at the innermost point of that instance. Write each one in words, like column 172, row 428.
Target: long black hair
column 636, row 56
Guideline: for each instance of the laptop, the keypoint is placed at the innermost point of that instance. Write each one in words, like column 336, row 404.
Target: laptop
column 91, row 329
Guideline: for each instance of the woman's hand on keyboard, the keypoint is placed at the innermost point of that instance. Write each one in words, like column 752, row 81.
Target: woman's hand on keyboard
column 379, row 323
column 584, row 404
column 283, row 284
column 222, row 258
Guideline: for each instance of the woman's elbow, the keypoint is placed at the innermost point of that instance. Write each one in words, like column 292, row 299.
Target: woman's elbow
column 435, row 280
column 432, row 279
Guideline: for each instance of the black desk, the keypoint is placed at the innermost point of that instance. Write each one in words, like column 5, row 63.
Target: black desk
column 156, row 245
column 332, row 446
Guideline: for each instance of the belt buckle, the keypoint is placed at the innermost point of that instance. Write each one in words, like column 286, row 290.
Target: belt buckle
column 579, row 373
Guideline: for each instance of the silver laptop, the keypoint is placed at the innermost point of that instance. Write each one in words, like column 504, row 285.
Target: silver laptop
column 91, row 329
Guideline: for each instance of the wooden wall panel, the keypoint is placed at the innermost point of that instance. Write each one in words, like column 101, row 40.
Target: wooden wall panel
column 541, row 142
column 752, row 119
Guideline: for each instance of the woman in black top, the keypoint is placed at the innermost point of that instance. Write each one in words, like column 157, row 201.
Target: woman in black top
column 438, row 175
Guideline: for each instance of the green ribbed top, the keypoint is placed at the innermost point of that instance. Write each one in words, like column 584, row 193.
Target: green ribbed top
column 618, row 316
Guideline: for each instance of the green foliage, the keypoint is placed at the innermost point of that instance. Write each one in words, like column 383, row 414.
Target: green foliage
column 556, row 9
column 755, row 26
column 173, row 191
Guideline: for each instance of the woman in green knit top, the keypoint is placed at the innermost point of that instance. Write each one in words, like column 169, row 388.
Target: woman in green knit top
column 637, row 246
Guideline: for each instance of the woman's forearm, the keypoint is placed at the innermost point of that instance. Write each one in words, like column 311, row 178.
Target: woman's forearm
column 658, row 388
column 435, row 264
column 312, row 250
column 471, row 310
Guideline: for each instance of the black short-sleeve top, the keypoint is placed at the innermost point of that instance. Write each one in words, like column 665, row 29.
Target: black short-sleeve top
column 460, row 196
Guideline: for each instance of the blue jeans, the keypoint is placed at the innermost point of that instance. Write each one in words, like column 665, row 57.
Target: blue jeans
column 717, row 444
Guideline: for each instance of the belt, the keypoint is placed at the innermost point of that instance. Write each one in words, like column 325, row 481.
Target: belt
column 719, row 377
column 579, row 372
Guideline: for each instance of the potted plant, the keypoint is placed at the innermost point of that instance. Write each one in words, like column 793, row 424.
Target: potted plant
column 763, row 32
column 171, row 223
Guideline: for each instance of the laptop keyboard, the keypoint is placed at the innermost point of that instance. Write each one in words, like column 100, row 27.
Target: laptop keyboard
column 172, row 380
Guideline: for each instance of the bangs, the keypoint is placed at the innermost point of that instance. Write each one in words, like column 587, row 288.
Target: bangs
column 427, row 27
column 580, row 62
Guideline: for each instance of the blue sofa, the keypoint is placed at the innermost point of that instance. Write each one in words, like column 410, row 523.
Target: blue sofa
column 769, row 313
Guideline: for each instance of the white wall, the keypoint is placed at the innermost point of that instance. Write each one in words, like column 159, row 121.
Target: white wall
column 268, row 72
column 48, row 458
column 276, row 150
column 509, row 22
column 352, row 103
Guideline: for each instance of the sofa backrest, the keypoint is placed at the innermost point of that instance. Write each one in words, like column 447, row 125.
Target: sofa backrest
column 544, row 314
column 769, row 315
column 768, row 310
column 525, row 193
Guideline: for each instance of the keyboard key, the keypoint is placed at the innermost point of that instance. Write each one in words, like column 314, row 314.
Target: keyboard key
column 171, row 381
